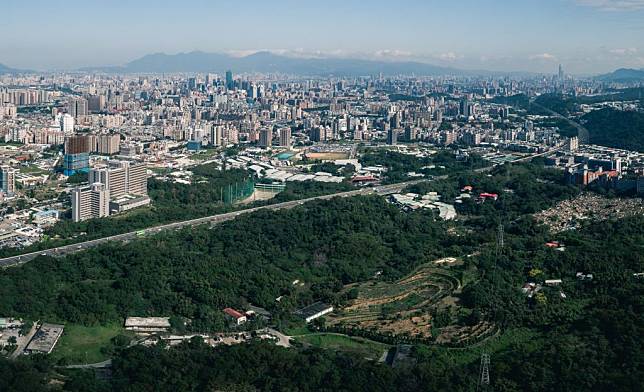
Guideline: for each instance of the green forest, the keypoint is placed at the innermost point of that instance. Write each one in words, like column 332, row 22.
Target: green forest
column 210, row 193
column 398, row 165
column 591, row 339
column 616, row 128
column 608, row 126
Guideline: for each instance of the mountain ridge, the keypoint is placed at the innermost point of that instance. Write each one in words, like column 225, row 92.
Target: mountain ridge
column 623, row 75
column 266, row 61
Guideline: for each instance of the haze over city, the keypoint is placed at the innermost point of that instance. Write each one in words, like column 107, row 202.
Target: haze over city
column 333, row 196
column 587, row 36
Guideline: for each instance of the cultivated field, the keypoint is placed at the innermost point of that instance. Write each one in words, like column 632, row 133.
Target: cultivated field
column 399, row 308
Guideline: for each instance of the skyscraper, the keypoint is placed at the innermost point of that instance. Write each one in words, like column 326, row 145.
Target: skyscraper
column 285, row 137
column 76, row 158
column 108, row 144
column 392, row 136
column 230, row 84
column 265, row 137
column 78, row 107
column 8, row 180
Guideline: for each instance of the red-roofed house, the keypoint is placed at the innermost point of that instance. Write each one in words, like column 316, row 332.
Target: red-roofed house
column 238, row 317
column 486, row 195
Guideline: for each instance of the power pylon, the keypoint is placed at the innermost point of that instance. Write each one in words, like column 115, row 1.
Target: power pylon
column 484, row 380
column 499, row 239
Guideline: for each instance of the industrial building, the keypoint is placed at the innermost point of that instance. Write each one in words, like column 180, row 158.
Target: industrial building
column 314, row 311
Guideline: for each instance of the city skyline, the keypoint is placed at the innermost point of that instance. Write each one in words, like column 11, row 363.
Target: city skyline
column 586, row 36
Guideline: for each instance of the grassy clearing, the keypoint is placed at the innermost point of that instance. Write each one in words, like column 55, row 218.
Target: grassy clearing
column 80, row 344
column 363, row 347
column 203, row 155
column 494, row 345
column 32, row 169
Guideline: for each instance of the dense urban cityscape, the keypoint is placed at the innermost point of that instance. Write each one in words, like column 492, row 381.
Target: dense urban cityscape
column 266, row 221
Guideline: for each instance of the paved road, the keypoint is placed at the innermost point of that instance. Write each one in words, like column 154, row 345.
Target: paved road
column 582, row 132
column 214, row 219
column 98, row 365
column 24, row 341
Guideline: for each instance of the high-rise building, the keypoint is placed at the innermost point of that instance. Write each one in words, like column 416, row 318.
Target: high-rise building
column 91, row 201
column 8, row 180
column 216, row 132
column 230, row 83
column 109, row 144
column 573, row 143
column 265, row 137
column 411, row 133
column 392, row 136
column 252, row 91
column 96, row 103
column 76, row 158
column 121, row 178
column 285, row 137
column 77, row 144
column 66, row 122
column 78, row 107
column 465, row 108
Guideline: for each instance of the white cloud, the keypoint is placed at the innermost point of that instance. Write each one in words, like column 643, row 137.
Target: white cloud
column 623, row 51
column 392, row 53
column 613, row 5
column 543, row 56
column 449, row 56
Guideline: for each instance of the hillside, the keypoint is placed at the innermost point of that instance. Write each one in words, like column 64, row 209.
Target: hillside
column 8, row 70
column 623, row 75
column 616, row 128
column 198, row 61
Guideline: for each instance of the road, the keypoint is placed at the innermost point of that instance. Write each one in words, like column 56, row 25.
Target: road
column 98, row 365
column 24, row 341
column 582, row 132
column 213, row 219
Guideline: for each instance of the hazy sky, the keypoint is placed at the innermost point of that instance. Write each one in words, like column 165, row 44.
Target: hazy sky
column 586, row 36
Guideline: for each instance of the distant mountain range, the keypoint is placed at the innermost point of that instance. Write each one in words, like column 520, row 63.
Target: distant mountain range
column 268, row 62
column 623, row 75
column 7, row 70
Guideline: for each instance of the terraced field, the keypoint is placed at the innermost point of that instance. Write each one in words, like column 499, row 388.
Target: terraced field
column 398, row 308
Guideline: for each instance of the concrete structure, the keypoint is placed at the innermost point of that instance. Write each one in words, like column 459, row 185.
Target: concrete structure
column 121, row 178
column 265, row 138
column 285, row 137
column 45, row 338
column 108, row 144
column 147, row 325
column 8, row 180
column 66, row 123
column 314, row 311
column 90, row 202
column 128, row 202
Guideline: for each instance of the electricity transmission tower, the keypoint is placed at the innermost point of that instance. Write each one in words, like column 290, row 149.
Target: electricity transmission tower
column 499, row 240
column 484, row 380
